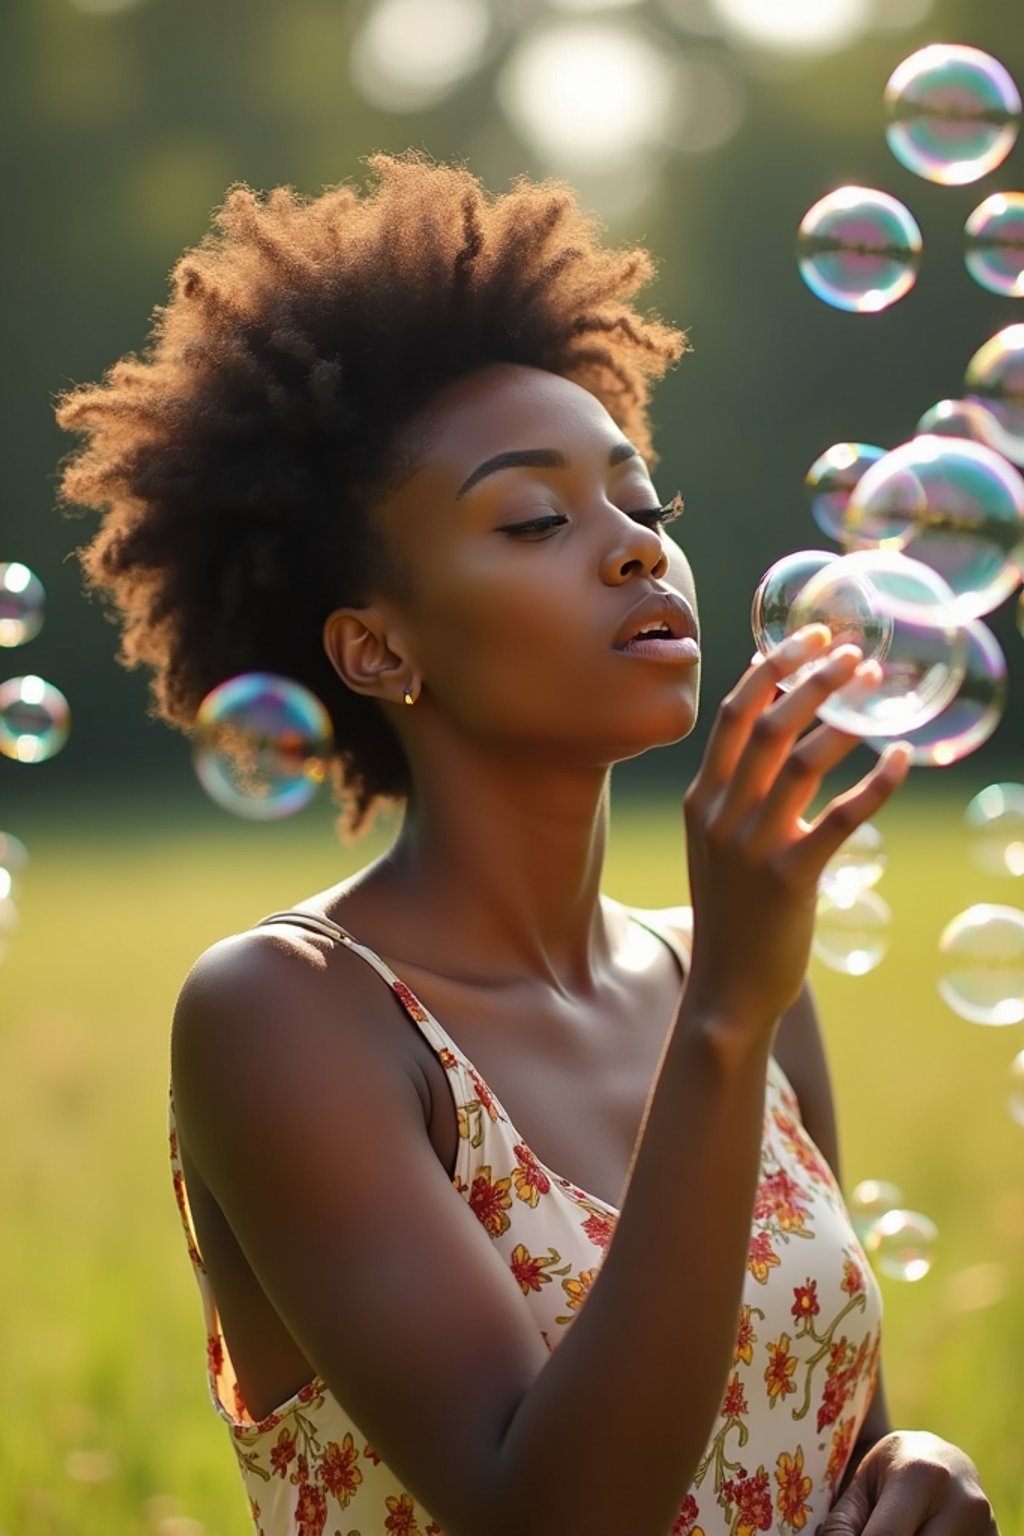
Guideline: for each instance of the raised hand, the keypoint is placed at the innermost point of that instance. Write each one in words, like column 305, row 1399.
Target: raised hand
column 754, row 861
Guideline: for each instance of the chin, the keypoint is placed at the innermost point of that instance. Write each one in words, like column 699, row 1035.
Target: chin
column 661, row 728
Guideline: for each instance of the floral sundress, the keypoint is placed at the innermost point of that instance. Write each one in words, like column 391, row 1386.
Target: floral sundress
column 804, row 1364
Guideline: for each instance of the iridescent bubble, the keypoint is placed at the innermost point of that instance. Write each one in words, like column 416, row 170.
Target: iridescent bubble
column 953, row 113
column 959, row 418
column 995, row 819
column 899, row 612
column 901, row 1244
column 970, row 717
column 995, row 244
column 981, row 953
column 830, row 480
column 8, row 922
column 22, row 602
column 856, row 866
column 870, row 1199
column 1015, row 1099
column 971, row 527
column 995, row 379
column 13, row 853
column 262, row 745
column 858, row 249
column 851, row 934
column 773, row 597
column 34, row 719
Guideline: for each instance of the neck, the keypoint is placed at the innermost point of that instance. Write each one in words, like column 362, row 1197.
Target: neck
column 510, row 867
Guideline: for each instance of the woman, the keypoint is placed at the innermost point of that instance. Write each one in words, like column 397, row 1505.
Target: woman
column 506, row 1202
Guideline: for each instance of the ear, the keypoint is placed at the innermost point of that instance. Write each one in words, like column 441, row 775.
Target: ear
column 361, row 646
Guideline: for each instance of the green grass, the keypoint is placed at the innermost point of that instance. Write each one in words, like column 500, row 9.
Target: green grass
column 107, row 1427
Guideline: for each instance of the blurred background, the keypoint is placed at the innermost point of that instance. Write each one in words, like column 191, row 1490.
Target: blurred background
column 703, row 129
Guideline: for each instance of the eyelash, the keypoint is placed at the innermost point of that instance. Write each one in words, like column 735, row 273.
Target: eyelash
column 651, row 516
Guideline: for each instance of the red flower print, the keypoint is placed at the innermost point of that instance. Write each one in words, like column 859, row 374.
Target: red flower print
column 529, row 1179
column 842, row 1373
column 283, row 1452
column 761, row 1257
column 794, row 1487
column 214, row 1354
column 752, row 1497
column 411, row 1004
column 173, row 1139
column 778, row 1373
column 484, row 1094
column 310, row 1510
column 839, row 1455
column 447, row 1058
column 685, row 1523
column 779, row 1198
column 805, row 1301
column 371, row 1454
column 529, row 1271
column 433, row 1530
column 853, row 1278
column 489, row 1201
column 402, row 1519
column 735, row 1404
column 599, row 1229
column 746, row 1338
column 338, row 1471
column 576, row 1289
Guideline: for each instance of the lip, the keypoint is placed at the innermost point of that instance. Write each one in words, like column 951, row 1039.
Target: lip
column 669, row 609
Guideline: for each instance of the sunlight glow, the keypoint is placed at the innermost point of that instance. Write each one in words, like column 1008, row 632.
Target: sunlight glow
column 410, row 54
column 796, row 26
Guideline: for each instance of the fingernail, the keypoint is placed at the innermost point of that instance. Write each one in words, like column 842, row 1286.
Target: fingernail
column 896, row 755
column 806, row 641
column 756, row 659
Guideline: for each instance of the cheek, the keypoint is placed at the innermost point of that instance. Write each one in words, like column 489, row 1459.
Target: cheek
column 680, row 574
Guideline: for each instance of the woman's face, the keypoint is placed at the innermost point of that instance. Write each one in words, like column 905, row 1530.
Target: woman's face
column 530, row 557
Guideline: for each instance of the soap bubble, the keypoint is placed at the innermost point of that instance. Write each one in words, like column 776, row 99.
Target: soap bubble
column 13, row 853
column 870, row 1199
column 901, row 1244
column 995, row 818
column 22, row 601
column 995, row 244
column 856, row 866
column 773, row 598
column 982, row 958
column 8, row 922
column 262, row 745
column 995, row 379
column 953, row 113
column 970, row 717
column 959, row 418
column 830, row 480
column 34, row 719
column 858, row 249
column 851, row 932
column 970, row 528
column 899, row 612
column 1015, row 1100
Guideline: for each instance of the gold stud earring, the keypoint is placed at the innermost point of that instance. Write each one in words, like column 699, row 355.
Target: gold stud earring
column 407, row 696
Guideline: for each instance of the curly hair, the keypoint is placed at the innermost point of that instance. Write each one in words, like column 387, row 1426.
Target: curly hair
column 236, row 461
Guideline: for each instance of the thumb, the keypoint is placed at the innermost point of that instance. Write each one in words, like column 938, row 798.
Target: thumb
column 849, row 1514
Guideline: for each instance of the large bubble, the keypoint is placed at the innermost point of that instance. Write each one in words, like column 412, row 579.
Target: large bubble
column 953, row 113
column 34, row 719
column 901, row 1244
column 858, row 249
column 972, row 714
column 851, row 931
column 830, row 480
column 901, row 611
column 995, row 379
column 994, row 251
column 773, row 599
column 981, row 954
column 995, row 820
column 262, row 745
column 970, row 528
column 22, row 604
column 959, row 418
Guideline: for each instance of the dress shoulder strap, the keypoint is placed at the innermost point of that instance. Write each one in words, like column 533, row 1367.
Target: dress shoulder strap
column 312, row 921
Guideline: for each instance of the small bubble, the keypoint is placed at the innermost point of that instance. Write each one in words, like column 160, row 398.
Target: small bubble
column 953, row 113
column 34, row 719
column 859, row 249
column 22, row 604
column 901, row 1244
column 981, row 954
column 995, row 819
column 852, row 935
column 262, row 745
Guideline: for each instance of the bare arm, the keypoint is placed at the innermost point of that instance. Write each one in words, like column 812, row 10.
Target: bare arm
column 382, row 1273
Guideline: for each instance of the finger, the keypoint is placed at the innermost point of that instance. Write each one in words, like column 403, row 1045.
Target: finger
column 850, row 1513
column 773, row 734
column 754, row 691
column 845, row 814
column 800, row 776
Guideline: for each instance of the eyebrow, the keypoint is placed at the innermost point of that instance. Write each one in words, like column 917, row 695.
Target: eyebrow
column 538, row 458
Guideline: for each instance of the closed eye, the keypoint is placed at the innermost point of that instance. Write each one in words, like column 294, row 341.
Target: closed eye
column 653, row 517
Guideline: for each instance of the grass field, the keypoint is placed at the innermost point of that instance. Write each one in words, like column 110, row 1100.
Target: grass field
column 107, row 1430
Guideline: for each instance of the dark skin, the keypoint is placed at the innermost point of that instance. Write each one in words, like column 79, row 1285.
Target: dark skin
column 513, row 586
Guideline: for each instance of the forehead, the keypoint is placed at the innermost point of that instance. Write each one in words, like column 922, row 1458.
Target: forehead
column 507, row 406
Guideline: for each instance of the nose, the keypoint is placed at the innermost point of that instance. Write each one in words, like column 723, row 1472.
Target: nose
column 632, row 550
